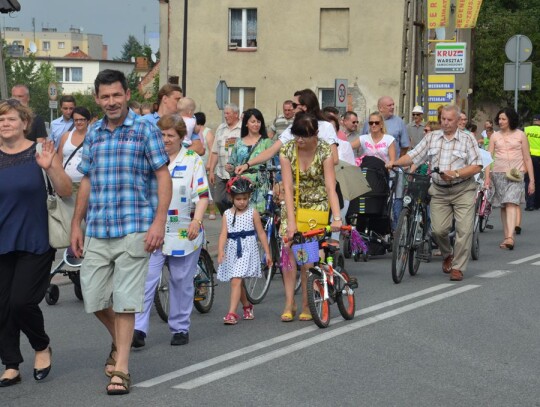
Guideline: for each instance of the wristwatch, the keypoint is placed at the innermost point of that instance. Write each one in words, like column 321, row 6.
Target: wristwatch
column 338, row 218
column 198, row 221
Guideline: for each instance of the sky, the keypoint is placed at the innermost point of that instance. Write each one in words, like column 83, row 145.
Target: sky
column 114, row 19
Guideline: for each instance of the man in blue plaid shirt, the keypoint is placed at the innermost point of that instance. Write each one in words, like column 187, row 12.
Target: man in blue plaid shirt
column 123, row 156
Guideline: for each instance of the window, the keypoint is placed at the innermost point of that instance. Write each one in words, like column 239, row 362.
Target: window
column 69, row 74
column 334, row 28
column 242, row 28
column 61, row 45
column 327, row 97
column 46, row 45
column 244, row 98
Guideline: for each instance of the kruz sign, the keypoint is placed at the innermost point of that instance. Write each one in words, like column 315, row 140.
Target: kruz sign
column 450, row 57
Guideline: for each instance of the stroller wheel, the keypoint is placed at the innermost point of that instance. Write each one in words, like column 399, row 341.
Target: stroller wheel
column 52, row 294
column 78, row 291
column 365, row 257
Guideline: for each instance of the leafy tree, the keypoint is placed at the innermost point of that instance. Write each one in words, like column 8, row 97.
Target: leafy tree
column 131, row 48
column 497, row 22
column 36, row 77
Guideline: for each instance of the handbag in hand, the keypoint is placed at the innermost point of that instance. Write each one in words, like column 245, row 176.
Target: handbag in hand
column 59, row 218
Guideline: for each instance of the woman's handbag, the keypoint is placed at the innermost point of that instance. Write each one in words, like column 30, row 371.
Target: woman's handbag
column 307, row 219
column 60, row 215
column 513, row 174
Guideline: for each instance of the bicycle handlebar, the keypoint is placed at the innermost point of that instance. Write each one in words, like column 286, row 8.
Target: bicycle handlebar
column 320, row 231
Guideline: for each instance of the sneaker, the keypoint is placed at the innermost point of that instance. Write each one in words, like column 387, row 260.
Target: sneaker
column 138, row 339
column 456, row 275
column 248, row 312
column 180, row 338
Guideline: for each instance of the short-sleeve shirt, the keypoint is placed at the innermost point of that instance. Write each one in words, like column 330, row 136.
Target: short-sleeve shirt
column 279, row 124
column 58, row 128
column 224, row 142
column 454, row 154
column 121, row 164
column 379, row 149
column 416, row 132
column 189, row 184
column 395, row 126
column 38, row 128
column 326, row 133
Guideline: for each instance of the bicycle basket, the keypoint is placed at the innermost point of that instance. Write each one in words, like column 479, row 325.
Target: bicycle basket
column 418, row 185
column 306, row 252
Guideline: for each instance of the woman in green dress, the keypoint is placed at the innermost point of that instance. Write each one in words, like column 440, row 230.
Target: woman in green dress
column 317, row 186
column 253, row 141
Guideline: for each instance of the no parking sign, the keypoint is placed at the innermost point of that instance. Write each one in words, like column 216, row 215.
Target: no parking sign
column 341, row 92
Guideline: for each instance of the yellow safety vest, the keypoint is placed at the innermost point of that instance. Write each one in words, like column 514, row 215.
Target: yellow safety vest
column 533, row 135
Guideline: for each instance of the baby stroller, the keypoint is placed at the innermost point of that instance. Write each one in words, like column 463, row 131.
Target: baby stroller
column 69, row 266
column 370, row 214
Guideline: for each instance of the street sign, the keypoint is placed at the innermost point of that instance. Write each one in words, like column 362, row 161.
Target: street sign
column 450, row 57
column 222, row 94
column 53, row 92
column 53, row 104
column 340, row 91
column 525, row 48
column 441, row 91
column 524, row 76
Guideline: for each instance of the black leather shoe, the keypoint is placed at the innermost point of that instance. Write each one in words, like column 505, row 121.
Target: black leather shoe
column 138, row 339
column 528, row 208
column 10, row 382
column 180, row 338
column 40, row 374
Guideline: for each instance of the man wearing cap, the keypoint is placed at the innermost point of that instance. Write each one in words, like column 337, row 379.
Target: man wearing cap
column 415, row 129
column 533, row 136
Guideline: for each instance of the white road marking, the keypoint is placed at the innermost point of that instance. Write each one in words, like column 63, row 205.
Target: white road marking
column 282, row 338
column 536, row 263
column 495, row 273
column 526, row 259
column 258, row 360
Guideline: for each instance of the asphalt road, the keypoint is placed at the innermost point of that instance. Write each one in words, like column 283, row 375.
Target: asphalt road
column 424, row 342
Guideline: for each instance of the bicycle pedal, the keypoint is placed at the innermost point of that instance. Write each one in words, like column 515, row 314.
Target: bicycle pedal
column 489, row 226
column 353, row 283
column 199, row 298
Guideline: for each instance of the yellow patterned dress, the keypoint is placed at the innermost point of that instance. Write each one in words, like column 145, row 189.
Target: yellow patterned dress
column 312, row 187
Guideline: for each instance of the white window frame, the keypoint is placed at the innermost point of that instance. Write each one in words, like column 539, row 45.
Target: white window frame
column 46, row 45
column 320, row 94
column 244, row 39
column 241, row 92
column 61, row 45
column 67, row 72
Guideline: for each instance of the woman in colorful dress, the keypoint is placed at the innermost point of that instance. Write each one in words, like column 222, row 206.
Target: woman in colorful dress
column 317, row 183
column 184, row 235
column 253, row 141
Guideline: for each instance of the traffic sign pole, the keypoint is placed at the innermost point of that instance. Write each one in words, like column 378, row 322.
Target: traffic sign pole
column 516, row 91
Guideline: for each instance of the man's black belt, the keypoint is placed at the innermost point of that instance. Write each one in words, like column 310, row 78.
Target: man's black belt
column 451, row 185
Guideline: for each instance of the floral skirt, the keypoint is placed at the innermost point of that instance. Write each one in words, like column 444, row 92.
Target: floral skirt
column 506, row 191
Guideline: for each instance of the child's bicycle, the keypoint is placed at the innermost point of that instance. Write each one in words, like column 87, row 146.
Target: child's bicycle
column 327, row 282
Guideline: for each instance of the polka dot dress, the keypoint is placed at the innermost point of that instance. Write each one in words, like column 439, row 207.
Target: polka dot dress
column 249, row 265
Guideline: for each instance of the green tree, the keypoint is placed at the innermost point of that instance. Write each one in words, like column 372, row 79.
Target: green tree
column 36, row 76
column 497, row 22
column 131, row 48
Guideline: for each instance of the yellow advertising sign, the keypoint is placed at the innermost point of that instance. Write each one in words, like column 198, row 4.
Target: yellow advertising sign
column 438, row 13
column 467, row 13
column 441, row 91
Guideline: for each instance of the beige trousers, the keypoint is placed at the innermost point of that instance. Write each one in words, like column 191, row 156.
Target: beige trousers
column 446, row 205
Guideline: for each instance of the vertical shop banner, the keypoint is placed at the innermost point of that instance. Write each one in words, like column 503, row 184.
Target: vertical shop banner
column 467, row 13
column 438, row 13
column 441, row 91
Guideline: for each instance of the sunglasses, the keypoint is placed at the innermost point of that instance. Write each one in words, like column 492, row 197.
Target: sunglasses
column 295, row 105
column 355, row 122
column 374, row 123
column 417, row 114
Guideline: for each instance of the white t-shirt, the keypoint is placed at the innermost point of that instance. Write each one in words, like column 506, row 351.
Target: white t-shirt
column 345, row 152
column 380, row 149
column 326, row 133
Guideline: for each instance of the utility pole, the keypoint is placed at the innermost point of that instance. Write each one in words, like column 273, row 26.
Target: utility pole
column 3, row 78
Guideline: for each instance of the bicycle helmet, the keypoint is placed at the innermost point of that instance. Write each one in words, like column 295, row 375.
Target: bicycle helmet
column 239, row 185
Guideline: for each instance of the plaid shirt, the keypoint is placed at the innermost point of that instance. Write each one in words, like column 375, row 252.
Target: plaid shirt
column 454, row 154
column 121, row 166
column 224, row 142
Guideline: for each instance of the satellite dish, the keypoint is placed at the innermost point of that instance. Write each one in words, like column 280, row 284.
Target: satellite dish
column 32, row 47
column 82, row 29
column 132, row 59
column 153, row 58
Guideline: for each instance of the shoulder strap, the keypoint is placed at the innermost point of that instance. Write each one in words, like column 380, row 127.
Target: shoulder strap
column 72, row 154
column 48, row 185
column 297, row 186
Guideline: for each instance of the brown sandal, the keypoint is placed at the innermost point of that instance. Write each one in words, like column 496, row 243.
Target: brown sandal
column 111, row 361
column 505, row 245
column 126, row 383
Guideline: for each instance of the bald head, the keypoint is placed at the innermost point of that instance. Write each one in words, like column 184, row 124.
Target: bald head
column 385, row 104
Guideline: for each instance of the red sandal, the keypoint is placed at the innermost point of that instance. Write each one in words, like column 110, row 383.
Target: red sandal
column 231, row 318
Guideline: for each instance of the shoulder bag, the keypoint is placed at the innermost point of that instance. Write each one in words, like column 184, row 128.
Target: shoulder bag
column 307, row 219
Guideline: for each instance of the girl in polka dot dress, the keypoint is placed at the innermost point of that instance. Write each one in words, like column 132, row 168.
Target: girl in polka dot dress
column 238, row 253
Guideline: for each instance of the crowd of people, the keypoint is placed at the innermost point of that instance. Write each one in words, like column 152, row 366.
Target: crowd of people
column 141, row 180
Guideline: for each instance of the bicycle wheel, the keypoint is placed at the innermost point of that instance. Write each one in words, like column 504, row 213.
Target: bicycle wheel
column 480, row 213
column 204, row 283
column 319, row 307
column 345, row 296
column 417, row 248
column 298, row 282
column 347, row 247
column 475, row 249
column 256, row 288
column 161, row 298
column 400, row 251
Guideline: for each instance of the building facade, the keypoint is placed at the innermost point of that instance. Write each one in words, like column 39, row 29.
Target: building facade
column 266, row 50
column 53, row 44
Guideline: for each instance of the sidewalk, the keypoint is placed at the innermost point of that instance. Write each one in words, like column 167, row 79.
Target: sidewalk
column 211, row 227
